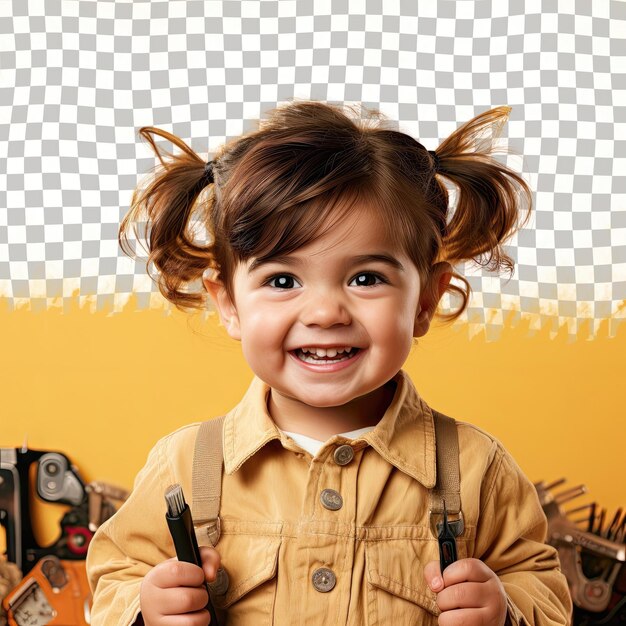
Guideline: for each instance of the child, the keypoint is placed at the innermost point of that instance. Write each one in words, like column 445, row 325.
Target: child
column 331, row 246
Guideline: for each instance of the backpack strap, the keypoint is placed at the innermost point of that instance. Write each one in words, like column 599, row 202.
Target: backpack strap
column 448, row 486
column 206, row 480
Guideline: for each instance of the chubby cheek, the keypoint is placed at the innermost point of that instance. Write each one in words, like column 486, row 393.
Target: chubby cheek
column 391, row 344
column 391, row 326
column 263, row 335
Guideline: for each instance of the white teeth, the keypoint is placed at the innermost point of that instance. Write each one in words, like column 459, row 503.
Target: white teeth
column 320, row 356
column 331, row 352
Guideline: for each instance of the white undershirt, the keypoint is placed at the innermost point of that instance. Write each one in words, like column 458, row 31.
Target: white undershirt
column 313, row 445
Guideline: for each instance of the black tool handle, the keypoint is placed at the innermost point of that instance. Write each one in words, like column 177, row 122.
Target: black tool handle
column 447, row 552
column 447, row 543
column 186, row 545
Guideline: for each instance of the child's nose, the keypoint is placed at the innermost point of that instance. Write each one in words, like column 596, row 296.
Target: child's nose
column 324, row 309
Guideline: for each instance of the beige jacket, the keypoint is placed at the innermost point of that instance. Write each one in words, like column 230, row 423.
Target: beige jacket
column 276, row 532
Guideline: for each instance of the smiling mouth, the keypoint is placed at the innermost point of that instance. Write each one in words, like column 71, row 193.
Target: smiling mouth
column 312, row 357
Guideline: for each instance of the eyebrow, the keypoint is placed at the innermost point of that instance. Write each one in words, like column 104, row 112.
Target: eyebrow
column 356, row 260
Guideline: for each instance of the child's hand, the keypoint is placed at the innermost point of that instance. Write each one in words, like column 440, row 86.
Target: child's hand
column 470, row 594
column 173, row 593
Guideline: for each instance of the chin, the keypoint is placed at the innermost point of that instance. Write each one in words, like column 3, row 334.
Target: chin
column 321, row 404
column 317, row 400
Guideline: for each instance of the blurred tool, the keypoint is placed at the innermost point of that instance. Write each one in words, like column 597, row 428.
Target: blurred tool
column 101, row 496
column 592, row 554
column 53, row 589
column 55, row 592
column 56, row 480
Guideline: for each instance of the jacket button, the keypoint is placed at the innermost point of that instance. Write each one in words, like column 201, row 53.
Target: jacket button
column 324, row 579
column 344, row 454
column 331, row 499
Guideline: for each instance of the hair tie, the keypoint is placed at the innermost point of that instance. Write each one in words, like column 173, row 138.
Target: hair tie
column 436, row 160
column 207, row 177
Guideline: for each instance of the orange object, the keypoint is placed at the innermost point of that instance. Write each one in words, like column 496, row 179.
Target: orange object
column 54, row 592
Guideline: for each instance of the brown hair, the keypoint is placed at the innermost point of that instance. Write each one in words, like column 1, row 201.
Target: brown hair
column 275, row 187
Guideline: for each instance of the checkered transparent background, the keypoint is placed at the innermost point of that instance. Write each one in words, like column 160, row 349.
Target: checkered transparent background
column 78, row 78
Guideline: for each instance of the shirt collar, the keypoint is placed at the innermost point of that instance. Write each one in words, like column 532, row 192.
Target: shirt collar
column 404, row 437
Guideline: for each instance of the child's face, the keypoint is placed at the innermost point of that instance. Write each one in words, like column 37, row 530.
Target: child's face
column 323, row 295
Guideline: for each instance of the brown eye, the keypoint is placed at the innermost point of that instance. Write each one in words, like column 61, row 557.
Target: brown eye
column 368, row 279
column 282, row 281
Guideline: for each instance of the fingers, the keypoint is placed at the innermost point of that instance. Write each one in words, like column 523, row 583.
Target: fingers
column 173, row 593
column 464, row 570
column 176, row 605
column 472, row 594
column 464, row 596
column 475, row 617
column 467, row 570
column 175, row 573
column 183, row 600
column 432, row 574
column 200, row 618
column 211, row 562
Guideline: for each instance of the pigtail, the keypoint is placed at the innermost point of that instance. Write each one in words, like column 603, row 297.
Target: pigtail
column 490, row 194
column 489, row 199
column 167, row 204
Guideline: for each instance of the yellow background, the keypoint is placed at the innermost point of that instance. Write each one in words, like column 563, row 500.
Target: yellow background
column 102, row 388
